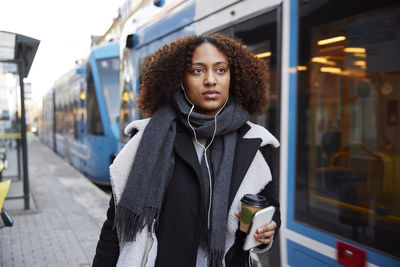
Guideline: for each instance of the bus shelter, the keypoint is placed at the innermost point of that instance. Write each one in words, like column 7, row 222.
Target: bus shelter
column 16, row 56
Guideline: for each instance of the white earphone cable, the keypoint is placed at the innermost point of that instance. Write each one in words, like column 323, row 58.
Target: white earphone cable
column 205, row 148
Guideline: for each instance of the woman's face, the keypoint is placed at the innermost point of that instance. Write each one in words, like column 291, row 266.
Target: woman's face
column 207, row 80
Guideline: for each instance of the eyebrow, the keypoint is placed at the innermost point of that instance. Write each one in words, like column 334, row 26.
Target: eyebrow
column 203, row 64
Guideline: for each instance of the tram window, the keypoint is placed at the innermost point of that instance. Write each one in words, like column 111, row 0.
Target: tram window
column 348, row 150
column 94, row 125
column 127, row 72
column 130, row 85
column 64, row 116
column 57, row 119
column 138, row 82
column 69, row 121
column 124, row 113
column 75, row 119
column 109, row 79
column 259, row 34
column 59, row 125
column 81, row 110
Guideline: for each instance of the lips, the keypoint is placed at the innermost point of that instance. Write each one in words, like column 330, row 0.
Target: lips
column 211, row 94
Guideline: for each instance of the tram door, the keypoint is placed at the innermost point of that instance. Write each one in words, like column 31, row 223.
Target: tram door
column 347, row 179
column 260, row 35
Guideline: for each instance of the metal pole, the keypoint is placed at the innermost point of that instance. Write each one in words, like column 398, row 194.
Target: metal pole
column 23, row 136
column 18, row 141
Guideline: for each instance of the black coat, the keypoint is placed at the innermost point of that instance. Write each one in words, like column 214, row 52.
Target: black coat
column 178, row 231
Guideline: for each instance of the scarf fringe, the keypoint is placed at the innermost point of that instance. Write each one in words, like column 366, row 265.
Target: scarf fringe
column 215, row 258
column 129, row 223
column 205, row 236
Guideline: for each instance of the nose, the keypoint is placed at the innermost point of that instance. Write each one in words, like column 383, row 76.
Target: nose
column 210, row 79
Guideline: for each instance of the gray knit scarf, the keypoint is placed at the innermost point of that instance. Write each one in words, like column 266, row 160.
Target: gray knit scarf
column 153, row 166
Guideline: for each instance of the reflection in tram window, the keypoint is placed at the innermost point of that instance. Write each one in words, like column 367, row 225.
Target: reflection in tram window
column 348, row 168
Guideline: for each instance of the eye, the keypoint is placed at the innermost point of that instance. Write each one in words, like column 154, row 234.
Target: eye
column 197, row 70
column 221, row 70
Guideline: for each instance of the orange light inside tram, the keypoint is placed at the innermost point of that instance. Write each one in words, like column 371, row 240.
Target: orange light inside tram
column 323, row 60
column 360, row 55
column 331, row 40
column 263, row 55
column 355, row 50
column 331, row 70
column 360, row 63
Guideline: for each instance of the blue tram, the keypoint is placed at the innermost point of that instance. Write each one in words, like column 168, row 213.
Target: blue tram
column 81, row 113
column 335, row 93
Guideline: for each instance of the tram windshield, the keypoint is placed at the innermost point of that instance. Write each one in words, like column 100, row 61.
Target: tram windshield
column 348, row 163
column 109, row 78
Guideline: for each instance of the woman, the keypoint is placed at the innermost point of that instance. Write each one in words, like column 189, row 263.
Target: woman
column 178, row 182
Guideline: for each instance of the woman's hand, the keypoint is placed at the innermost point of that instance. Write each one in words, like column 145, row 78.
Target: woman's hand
column 264, row 233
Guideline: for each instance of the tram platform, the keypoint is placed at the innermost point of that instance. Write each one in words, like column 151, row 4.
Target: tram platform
column 63, row 224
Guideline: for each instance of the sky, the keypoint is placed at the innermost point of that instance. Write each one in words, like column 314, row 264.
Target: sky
column 64, row 28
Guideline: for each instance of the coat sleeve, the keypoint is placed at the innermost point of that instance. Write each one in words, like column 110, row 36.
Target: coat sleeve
column 236, row 257
column 270, row 192
column 107, row 250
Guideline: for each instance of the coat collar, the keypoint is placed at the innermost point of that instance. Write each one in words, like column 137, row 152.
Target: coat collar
column 244, row 155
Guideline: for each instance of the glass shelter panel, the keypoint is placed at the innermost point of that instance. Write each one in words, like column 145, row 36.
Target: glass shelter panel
column 10, row 120
column 13, row 152
column 348, row 150
column 9, row 98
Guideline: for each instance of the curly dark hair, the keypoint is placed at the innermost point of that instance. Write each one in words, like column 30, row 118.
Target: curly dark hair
column 162, row 73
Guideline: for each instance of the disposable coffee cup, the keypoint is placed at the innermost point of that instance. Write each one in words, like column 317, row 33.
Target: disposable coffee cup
column 250, row 204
